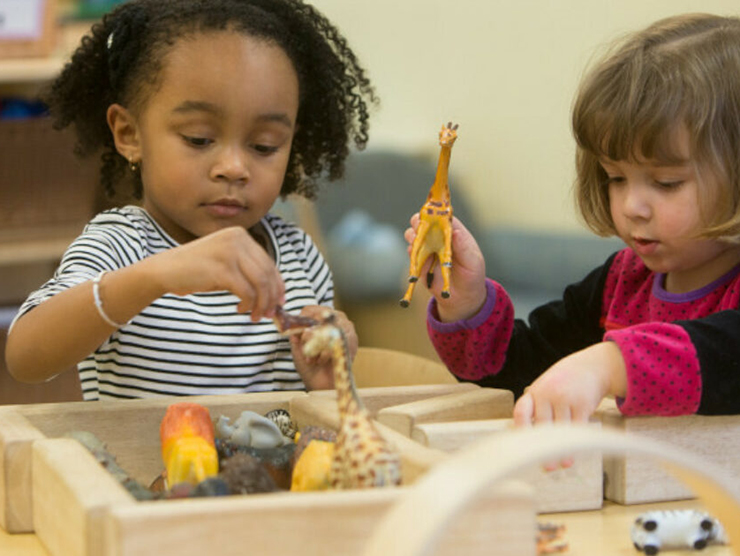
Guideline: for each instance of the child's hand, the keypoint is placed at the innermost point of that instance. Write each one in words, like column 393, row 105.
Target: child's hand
column 468, row 274
column 571, row 390
column 229, row 259
column 318, row 372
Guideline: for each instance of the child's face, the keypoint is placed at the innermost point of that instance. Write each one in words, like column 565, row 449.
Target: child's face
column 657, row 212
column 214, row 139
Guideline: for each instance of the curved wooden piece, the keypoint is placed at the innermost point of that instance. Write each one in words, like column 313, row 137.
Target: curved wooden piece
column 373, row 367
column 455, row 483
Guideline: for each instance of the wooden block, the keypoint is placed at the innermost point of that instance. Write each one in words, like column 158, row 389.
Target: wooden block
column 577, row 488
column 71, row 492
column 482, row 403
column 311, row 524
column 377, row 398
column 637, row 480
column 451, row 436
column 16, row 436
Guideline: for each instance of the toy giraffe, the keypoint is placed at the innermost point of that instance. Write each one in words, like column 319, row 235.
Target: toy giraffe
column 434, row 234
column 362, row 457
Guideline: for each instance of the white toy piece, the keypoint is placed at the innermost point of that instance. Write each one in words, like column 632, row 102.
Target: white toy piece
column 251, row 429
column 676, row 529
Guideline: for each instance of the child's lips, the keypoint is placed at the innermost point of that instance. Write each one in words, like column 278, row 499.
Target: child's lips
column 644, row 246
column 225, row 208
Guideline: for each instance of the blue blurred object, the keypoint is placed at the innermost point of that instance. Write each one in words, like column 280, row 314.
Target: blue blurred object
column 95, row 8
column 20, row 109
column 368, row 258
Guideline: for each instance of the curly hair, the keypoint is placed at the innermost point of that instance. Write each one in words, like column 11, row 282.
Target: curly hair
column 682, row 72
column 121, row 60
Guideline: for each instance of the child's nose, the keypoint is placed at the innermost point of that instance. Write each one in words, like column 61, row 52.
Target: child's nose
column 231, row 165
column 636, row 201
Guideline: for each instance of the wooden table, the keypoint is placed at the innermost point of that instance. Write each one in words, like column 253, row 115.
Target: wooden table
column 603, row 533
column 607, row 532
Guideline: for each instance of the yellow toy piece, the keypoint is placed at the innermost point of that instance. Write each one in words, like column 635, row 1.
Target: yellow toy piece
column 312, row 470
column 188, row 447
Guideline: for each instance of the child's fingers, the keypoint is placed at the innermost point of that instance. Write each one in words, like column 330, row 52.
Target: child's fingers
column 543, row 412
column 562, row 413
column 524, row 411
column 264, row 282
column 409, row 235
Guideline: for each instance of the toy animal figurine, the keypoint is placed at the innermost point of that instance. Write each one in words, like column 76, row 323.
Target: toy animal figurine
column 362, row 457
column 551, row 539
column 677, row 529
column 434, row 234
column 188, row 447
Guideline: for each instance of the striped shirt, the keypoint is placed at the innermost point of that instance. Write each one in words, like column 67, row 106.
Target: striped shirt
column 194, row 344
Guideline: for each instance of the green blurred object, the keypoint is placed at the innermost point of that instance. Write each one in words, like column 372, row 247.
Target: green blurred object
column 93, row 9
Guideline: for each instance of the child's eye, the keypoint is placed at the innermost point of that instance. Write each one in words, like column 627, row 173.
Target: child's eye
column 265, row 149
column 197, row 141
column 669, row 184
column 614, row 180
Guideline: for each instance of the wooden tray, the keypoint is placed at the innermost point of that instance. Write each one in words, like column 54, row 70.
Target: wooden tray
column 636, row 480
column 77, row 508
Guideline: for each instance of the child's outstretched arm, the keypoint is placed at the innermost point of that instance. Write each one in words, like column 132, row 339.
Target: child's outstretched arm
column 467, row 277
column 63, row 330
column 571, row 390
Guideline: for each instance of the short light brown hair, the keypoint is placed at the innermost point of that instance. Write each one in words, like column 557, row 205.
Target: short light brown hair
column 683, row 71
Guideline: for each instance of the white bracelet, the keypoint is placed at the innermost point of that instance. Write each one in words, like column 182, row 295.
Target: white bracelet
column 99, row 303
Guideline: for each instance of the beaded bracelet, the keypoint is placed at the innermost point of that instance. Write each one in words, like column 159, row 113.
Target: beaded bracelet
column 99, row 303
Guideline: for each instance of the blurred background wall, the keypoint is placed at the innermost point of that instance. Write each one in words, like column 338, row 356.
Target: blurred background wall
column 506, row 71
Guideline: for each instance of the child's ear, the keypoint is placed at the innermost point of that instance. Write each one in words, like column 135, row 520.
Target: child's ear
column 125, row 132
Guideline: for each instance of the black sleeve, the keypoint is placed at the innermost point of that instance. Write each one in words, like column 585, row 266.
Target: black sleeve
column 716, row 339
column 554, row 331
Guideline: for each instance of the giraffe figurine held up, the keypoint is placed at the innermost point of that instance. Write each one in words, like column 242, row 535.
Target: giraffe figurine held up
column 434, row 234
column 362, row 457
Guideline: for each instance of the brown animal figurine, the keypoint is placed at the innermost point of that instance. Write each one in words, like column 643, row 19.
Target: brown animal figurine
column 362, row 457
column 434, row 235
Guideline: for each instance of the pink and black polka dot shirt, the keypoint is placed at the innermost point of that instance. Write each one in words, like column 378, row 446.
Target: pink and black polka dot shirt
column 682, row 351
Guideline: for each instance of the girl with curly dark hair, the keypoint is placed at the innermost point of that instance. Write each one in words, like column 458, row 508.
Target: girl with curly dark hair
column 210, row 111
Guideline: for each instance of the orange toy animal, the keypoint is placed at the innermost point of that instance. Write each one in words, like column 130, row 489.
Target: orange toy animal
column 188, row 447
column 434, row 234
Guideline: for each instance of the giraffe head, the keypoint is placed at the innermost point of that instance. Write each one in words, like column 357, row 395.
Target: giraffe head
column 447, row 135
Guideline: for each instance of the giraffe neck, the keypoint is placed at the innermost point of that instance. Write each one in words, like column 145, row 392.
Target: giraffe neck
column 347, row 399
column 440, row 190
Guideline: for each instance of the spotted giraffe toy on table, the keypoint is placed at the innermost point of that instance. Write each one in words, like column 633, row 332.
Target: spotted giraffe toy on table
column 362, row 457
column 434, row 234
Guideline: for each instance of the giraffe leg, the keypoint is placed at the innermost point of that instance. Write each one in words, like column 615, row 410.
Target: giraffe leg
column 418, row 256
column 423, row 254
column 430, row 273
column 445, row 258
